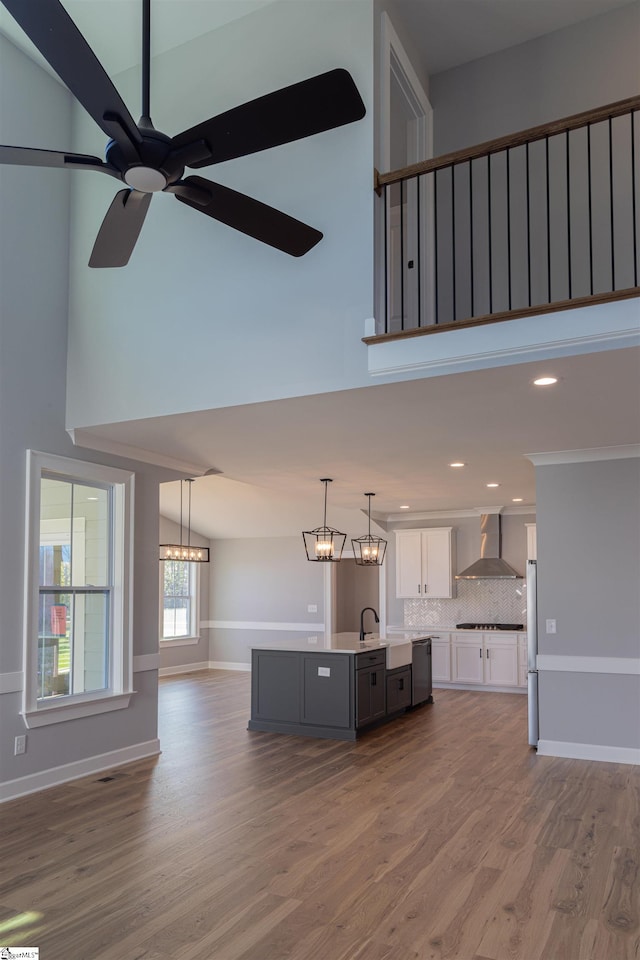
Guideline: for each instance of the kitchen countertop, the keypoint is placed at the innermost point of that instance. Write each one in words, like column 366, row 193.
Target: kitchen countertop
column 341, row 642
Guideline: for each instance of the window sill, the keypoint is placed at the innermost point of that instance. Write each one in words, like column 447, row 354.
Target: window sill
column 75, row 709
column 179, row 641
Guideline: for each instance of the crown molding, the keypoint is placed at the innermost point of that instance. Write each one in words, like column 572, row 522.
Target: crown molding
column 84, row 438
column 624, row 452
column 475, row 512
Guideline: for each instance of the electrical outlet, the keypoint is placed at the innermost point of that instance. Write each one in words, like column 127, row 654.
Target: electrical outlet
column 20, row 745
column 312, row 608
column 551, row 626
column 312, row 639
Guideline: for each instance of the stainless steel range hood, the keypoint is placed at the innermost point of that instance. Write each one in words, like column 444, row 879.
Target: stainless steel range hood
column 490, row 566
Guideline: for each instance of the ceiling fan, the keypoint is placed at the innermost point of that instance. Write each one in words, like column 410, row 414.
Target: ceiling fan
column 148, row 161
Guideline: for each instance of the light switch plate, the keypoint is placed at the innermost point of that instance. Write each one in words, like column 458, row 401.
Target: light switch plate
column 551, row 626
column 312, row 608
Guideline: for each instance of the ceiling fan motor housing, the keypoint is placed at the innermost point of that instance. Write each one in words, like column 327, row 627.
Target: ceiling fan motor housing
column 155, row 155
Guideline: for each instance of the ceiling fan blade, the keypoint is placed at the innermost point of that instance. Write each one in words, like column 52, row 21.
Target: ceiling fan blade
column 33, row 157
column 247, row 215
column 51, row 29
column 311, row 106
column 120, row 229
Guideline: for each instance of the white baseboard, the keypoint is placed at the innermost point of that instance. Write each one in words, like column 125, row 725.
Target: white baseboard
column 588, row 751
column 227, row 665
column 55, row 776
column 183, row 668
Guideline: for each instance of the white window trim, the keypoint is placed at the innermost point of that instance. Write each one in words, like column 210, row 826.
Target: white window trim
column 193, row 638
column 120, row 688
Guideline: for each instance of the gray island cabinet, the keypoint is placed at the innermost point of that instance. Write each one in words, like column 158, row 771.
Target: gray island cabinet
column 330, row 693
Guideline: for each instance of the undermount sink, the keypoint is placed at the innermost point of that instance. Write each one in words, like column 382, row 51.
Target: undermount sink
column 399, row 654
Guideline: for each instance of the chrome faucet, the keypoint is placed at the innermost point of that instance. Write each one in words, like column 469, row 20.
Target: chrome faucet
column 362, row 633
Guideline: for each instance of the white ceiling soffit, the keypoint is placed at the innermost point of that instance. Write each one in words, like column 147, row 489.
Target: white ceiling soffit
column 396, row 440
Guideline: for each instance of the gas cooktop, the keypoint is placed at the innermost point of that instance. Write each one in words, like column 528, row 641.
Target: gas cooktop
column 490, row 626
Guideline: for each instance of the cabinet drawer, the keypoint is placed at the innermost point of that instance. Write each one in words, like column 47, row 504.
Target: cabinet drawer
column 398, row 689
column 371, row 658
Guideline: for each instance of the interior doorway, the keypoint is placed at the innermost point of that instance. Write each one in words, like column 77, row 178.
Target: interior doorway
column 356, row 587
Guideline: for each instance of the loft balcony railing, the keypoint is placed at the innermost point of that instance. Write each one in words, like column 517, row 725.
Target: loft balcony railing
column 539, row 221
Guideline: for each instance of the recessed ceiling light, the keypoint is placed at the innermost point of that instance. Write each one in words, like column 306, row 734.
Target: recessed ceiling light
column 545, row 381
column 458, row 464
column 516, row 499
column 493, row 484
column 405, row 506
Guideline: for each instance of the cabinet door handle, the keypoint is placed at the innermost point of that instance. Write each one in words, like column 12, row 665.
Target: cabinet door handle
column 425, row 588
column 480, row 652
column 419, row 588
column 374, row 679
column 401, row 684
column 487, row 654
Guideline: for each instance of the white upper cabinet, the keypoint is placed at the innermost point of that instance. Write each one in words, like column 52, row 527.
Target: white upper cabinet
column 424, row 563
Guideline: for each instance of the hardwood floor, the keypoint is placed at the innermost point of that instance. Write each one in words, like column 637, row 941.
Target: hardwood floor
column 439, row 836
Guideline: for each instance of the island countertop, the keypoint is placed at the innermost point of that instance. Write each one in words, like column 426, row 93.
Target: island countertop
column 347, row 642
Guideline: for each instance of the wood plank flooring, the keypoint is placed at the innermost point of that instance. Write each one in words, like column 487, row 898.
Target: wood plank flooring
column 441, row 836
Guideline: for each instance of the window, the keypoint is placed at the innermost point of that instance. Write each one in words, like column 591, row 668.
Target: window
column 77, row 632
column 179, row 592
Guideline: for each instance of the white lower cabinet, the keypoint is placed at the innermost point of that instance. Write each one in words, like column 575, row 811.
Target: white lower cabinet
column 501, row 663
column 485, row 658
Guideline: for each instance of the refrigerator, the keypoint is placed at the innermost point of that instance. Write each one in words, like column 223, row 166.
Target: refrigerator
column 532, row 651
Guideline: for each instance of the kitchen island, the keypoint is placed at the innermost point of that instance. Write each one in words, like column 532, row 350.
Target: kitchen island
column 335, row 690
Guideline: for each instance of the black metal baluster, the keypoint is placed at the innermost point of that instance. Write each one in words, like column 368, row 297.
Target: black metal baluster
column 568, row 159
column 435, row 240
column 401, row 256
column 418, row 253
column 634, row 212
column 528, row 226
column 489, row 228
column 471, row 236
column 548, row 224
column 453, row 240
column 386, row 261
column 509, row 224
column 613, row 264
column 590, row 208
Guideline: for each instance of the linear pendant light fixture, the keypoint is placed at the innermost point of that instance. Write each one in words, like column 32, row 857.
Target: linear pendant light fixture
column 324, row 543
column 182, row 550
column 368, row 550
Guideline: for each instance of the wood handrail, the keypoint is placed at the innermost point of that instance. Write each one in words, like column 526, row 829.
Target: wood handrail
column 533, row 311
column 587, row 117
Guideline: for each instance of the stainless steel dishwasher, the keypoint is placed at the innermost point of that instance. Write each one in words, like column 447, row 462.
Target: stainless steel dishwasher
column 421, row 676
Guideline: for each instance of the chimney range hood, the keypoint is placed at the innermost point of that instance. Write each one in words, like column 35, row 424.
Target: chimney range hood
column 490, row 566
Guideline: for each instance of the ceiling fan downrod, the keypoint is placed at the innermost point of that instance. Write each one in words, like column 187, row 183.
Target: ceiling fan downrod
column 145, row 119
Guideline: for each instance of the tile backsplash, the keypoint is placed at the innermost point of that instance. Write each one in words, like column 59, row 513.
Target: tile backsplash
column 478, row 601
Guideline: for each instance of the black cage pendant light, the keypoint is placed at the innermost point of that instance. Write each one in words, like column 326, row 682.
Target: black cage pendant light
column 368, row 550
column 184, row 550
column 324, row 543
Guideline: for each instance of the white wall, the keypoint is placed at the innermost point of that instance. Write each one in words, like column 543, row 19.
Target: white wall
column 588, row 537
column 34, row 214
column 260, row 582
column 242, row 321
column 584, row 66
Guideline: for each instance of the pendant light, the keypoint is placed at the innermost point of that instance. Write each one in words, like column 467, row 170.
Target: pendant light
column 368, row 550
column 184, row 550
column 324, row 543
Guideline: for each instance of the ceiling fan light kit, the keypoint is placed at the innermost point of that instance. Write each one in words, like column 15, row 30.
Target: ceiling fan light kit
column 149, row 161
